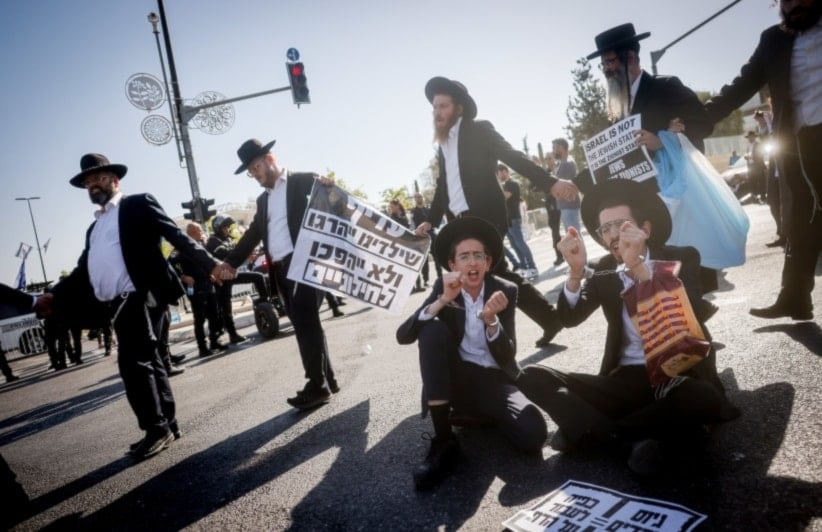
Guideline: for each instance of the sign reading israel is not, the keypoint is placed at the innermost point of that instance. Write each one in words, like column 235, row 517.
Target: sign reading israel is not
column 347, row 247
column 614, row 154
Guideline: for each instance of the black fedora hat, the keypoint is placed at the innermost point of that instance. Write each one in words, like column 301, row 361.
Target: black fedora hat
column 636, row 195
column 458, row 230
column 96, row 162
column 616, row 38
column 250, row 150
column 455, row 89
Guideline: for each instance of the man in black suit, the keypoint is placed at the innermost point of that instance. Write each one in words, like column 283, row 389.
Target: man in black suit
column 661, row 102
column 276, row 224
column 619, row 405
column 123, row 274
column 467, row 345
column 468, row 154
column 787, row 61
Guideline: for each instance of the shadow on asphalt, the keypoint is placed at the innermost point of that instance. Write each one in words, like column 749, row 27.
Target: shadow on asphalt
column 49, row 415
column 807, row 333
column 368, row 485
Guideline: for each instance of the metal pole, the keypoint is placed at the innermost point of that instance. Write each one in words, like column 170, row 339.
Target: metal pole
column 36, row 238
column 154, row 19
column 656, row 55
column 178, row 115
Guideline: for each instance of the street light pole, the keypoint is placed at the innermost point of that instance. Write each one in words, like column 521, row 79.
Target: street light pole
column 36, row 238
column 177, row 111
column 656, row 55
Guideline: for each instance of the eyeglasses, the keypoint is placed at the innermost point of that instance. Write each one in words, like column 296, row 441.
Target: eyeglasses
column 608, row 63
column 605, row 228
column 475, row 256
column 93, row 179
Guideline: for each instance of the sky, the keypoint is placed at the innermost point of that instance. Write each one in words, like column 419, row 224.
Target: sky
column 66, row 65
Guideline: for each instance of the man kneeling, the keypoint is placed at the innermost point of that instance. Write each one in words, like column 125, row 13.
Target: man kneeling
column 467, row 347
column 622, row 406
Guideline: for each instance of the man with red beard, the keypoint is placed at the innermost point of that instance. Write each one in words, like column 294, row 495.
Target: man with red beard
column 468, row 154
column 467, row 345
column 788, row 61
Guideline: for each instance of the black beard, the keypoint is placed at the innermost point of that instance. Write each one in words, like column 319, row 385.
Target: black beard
column 619, row 94
column 812, row 15
column 99, row 197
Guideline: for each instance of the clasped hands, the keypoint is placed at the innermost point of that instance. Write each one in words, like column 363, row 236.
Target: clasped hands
column 223, row 271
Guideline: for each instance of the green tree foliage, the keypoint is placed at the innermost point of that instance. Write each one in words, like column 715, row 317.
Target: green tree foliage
column 358, row 192
column 586, row 110
column 729, row 126
column 400, row 193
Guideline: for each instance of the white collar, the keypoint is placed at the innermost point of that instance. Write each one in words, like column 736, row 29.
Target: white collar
column 114, row 202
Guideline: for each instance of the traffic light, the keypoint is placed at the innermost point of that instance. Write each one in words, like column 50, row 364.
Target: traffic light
column 298, row 82
column 191, row 206
column 207, row 213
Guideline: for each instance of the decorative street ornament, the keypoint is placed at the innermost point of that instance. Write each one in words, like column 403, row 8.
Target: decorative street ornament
column 212, row 120
column 144, row 91
column 156, row 129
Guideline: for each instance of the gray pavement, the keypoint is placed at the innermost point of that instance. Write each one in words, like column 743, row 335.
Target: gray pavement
column 247, row 461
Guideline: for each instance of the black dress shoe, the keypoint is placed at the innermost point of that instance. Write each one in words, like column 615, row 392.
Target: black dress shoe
column 783, row 310
column 152, row 444
column 440, row 461
column 12, row 378
column 779, row 242
column 548, row 334
column 310, row 397
column 337, row 313
column 216, row 345
column 205, row 352
column 176, row 359
column 236, row 338
column 175, row 371
column 175, row 430
column 647, row 458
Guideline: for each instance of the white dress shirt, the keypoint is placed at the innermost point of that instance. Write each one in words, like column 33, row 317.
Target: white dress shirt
column 457, row 203
column 806, row 77
column 633, row 352
column 279, row 238
column 106, row 266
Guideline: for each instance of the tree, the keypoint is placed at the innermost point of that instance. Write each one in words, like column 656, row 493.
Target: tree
column 730, row 126
column 399, row 193
column 586, row 110
column 358, row 192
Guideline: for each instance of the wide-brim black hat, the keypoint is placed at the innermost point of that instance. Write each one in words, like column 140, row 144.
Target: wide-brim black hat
column 467, row 227
column 617, row 38
column 96, row 162
column 636, row 195
column 455, row 89
column 250, row 150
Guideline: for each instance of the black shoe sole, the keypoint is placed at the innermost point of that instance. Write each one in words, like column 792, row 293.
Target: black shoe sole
column 300, row 403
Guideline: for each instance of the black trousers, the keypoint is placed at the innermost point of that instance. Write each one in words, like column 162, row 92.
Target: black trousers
column 302, row 304
column 148, row 390
column 477, row 390
column 529, row 300
column 621, row 403
column 804, row 178
column 204, row 307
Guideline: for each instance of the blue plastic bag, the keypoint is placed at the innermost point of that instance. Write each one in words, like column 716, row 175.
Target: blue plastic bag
column 704, row 210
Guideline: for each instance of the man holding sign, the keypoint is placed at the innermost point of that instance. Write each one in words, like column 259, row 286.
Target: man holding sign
column 657, row 382
column 280, row 211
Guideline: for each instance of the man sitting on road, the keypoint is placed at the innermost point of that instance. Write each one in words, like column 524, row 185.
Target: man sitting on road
column 467, row 345
column 619, row 406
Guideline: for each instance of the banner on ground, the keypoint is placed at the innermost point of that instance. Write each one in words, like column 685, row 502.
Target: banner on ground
column 581, row 506
column 347, row 247
column 614, row 154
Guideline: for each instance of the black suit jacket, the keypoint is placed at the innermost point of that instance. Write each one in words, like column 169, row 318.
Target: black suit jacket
column 143, row 224
column 769, row 65
column 14, row 302
column 660, row 99
column 604, row 290
column 297, row 191
column 503, row 347
column 480, row 148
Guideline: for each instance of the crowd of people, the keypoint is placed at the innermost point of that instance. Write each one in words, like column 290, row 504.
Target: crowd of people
column 635, row 404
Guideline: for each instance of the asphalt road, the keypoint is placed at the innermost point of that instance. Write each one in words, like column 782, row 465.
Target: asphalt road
column 247, row 461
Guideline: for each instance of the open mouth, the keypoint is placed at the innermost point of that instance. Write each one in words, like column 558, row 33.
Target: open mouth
column 473, row 275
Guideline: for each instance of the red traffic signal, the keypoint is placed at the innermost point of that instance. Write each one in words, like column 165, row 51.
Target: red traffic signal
column 298, row 82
